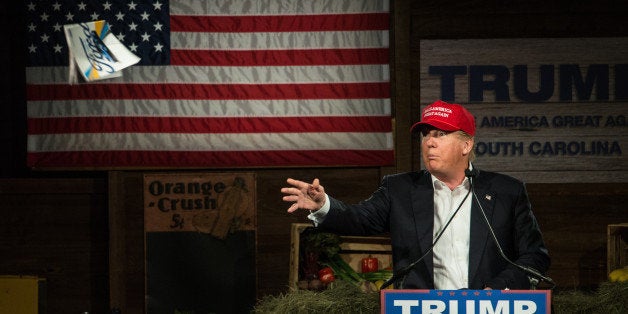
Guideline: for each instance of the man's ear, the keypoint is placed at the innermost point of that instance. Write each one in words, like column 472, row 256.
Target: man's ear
column 468, row 146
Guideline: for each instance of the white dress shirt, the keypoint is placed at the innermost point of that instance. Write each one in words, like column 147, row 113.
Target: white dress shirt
column 451, row 252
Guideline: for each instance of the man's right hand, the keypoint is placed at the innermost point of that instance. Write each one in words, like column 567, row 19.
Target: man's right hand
column 304, row 195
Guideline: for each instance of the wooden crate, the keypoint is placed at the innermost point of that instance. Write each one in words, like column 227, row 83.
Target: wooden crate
column 22, row 294
column 353, row 250
column 617, row 246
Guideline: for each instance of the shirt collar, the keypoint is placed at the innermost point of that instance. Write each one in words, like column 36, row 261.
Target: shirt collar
column 438, row 184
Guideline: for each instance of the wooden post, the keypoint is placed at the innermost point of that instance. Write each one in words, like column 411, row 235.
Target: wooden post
column 117, row 245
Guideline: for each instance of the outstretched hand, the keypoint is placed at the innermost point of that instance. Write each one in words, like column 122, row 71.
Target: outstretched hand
column 304, row 195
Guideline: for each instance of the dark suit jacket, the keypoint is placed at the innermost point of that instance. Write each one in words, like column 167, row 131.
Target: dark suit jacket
column 403, row 206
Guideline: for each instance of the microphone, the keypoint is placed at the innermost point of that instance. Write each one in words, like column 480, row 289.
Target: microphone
column 471, row 174
column 404, row 271
column 531, row 272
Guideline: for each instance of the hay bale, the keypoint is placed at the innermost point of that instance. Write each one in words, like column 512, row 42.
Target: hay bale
column 340, row 297
column 609, row 298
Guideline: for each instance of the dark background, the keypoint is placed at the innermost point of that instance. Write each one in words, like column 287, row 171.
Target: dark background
column 83, row 230
column 195, row 271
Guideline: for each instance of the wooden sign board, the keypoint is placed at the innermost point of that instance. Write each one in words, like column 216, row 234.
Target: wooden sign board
column 547, row 110
column 200, row 242
column 212, row 203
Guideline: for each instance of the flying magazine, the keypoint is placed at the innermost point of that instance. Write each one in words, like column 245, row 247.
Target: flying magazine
column 95, row 52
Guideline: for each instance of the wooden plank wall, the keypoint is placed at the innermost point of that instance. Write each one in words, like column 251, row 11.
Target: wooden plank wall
column 574, row 220
column 56, row 229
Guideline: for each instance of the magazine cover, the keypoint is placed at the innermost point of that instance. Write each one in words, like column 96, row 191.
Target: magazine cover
column 95, row 52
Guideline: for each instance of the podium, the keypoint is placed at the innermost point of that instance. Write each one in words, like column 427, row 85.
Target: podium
column 465, row 301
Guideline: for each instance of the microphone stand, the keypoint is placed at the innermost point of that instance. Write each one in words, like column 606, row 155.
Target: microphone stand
column 533, row 275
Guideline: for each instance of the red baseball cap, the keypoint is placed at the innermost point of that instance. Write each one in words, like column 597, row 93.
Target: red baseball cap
column 447, row 117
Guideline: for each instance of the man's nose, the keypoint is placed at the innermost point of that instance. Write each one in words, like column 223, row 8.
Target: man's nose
column 429, row 141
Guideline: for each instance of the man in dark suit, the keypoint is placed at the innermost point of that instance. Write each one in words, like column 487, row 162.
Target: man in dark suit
column 434, row 217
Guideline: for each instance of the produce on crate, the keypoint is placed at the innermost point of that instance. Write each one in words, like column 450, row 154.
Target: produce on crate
column 619, row 275
column 326, row 275
column 322, row 264
column 369, row 264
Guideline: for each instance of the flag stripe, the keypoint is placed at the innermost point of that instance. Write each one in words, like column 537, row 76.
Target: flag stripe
column 207, row 125
column 163, row 159
column 209, row 91
column 274, row 23
column 209, row 108
column 279, row 57
column 279, row 40
column 208, row 142
column 231, row 75
column 274, row 7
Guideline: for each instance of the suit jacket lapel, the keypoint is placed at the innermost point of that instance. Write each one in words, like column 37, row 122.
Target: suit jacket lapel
column 423, row 209
column 479, row 230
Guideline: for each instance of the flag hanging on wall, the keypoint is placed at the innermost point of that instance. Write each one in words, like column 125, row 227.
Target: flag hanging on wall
column 220, row 83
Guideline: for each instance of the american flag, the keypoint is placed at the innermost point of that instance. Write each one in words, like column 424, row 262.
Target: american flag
column 221, row 83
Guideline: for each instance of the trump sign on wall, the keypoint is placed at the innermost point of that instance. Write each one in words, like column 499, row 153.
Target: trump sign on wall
column 549, row 110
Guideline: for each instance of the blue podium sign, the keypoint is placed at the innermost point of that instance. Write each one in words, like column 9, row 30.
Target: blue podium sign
column 465, row 301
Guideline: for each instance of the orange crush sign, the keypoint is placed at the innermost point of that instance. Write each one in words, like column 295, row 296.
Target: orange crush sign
column 214, row 203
